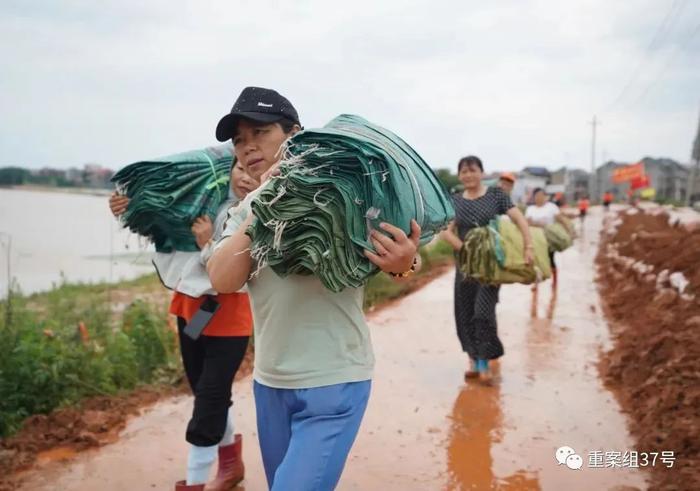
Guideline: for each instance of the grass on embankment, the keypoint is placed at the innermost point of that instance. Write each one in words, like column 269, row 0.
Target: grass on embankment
column 61, row 346
column 80, row 340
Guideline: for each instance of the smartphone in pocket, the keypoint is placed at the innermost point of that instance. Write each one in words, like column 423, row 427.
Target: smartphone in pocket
column 201, row 318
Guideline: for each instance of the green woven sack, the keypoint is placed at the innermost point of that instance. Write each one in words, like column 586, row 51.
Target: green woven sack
column 336, row 184
column 477, row 258
column 558, row 237
column 511, row 241
column 495, row 255
column 167, row 194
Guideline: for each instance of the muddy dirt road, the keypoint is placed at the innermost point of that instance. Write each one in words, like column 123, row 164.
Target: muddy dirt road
column 425, row 429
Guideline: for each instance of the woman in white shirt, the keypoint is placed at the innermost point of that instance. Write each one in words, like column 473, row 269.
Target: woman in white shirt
column 541, row 214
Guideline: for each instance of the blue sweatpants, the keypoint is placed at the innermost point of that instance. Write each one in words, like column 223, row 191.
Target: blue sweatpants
column 306, row 434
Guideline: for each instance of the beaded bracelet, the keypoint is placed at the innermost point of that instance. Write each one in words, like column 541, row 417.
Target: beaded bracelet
column 408, row 273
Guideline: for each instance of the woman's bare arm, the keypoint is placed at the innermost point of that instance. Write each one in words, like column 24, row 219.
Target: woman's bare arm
column 450, row 236
column 230, row 265
column 519, row 220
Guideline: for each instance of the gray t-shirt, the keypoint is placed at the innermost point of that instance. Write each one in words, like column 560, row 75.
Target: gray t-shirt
column 305, row 335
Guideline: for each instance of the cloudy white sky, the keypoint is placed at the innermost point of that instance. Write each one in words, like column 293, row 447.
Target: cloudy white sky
column 515, row 82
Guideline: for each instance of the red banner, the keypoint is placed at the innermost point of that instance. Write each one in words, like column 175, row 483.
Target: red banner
column 628, row 173
column 640, row 182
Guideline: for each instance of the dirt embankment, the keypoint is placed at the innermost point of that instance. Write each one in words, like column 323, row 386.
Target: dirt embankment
column 649, row 278
column 94, row 422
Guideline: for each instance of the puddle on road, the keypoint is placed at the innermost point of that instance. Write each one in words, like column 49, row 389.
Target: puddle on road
column 476, row 422
column 55, row 455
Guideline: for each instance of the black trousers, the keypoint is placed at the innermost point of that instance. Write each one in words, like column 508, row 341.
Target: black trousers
column 475, row 317
column 211, row 363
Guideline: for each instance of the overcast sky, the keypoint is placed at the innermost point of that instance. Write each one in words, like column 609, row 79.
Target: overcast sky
column 515, row 82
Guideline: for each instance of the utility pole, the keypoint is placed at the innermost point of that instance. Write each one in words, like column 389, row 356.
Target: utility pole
column 594, row 176
column 694, row 169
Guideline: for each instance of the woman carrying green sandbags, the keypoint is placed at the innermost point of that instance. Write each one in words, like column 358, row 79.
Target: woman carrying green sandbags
column 210, row 358
column 474, row 302
column 542, row 214
column 313, row 354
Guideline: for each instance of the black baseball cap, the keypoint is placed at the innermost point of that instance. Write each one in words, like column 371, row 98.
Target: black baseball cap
column 257, row 104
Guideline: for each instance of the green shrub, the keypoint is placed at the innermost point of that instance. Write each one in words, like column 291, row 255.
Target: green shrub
column 46, row 363
column 151, row 343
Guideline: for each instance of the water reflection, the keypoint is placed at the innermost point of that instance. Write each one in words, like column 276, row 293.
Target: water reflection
column 551, row 306
column 476, row 427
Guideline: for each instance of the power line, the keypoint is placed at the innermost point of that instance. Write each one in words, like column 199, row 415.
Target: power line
column 661, row 33
column 664, row 67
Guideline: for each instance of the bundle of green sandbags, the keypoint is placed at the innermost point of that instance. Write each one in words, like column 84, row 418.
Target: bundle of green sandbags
column 494, row 255
column 336, row 184
column 558, row 237
column 167, row 194
column 568, row 224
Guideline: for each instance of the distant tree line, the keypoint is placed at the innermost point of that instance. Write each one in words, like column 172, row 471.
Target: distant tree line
column 450, row 180
column 91, row 175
